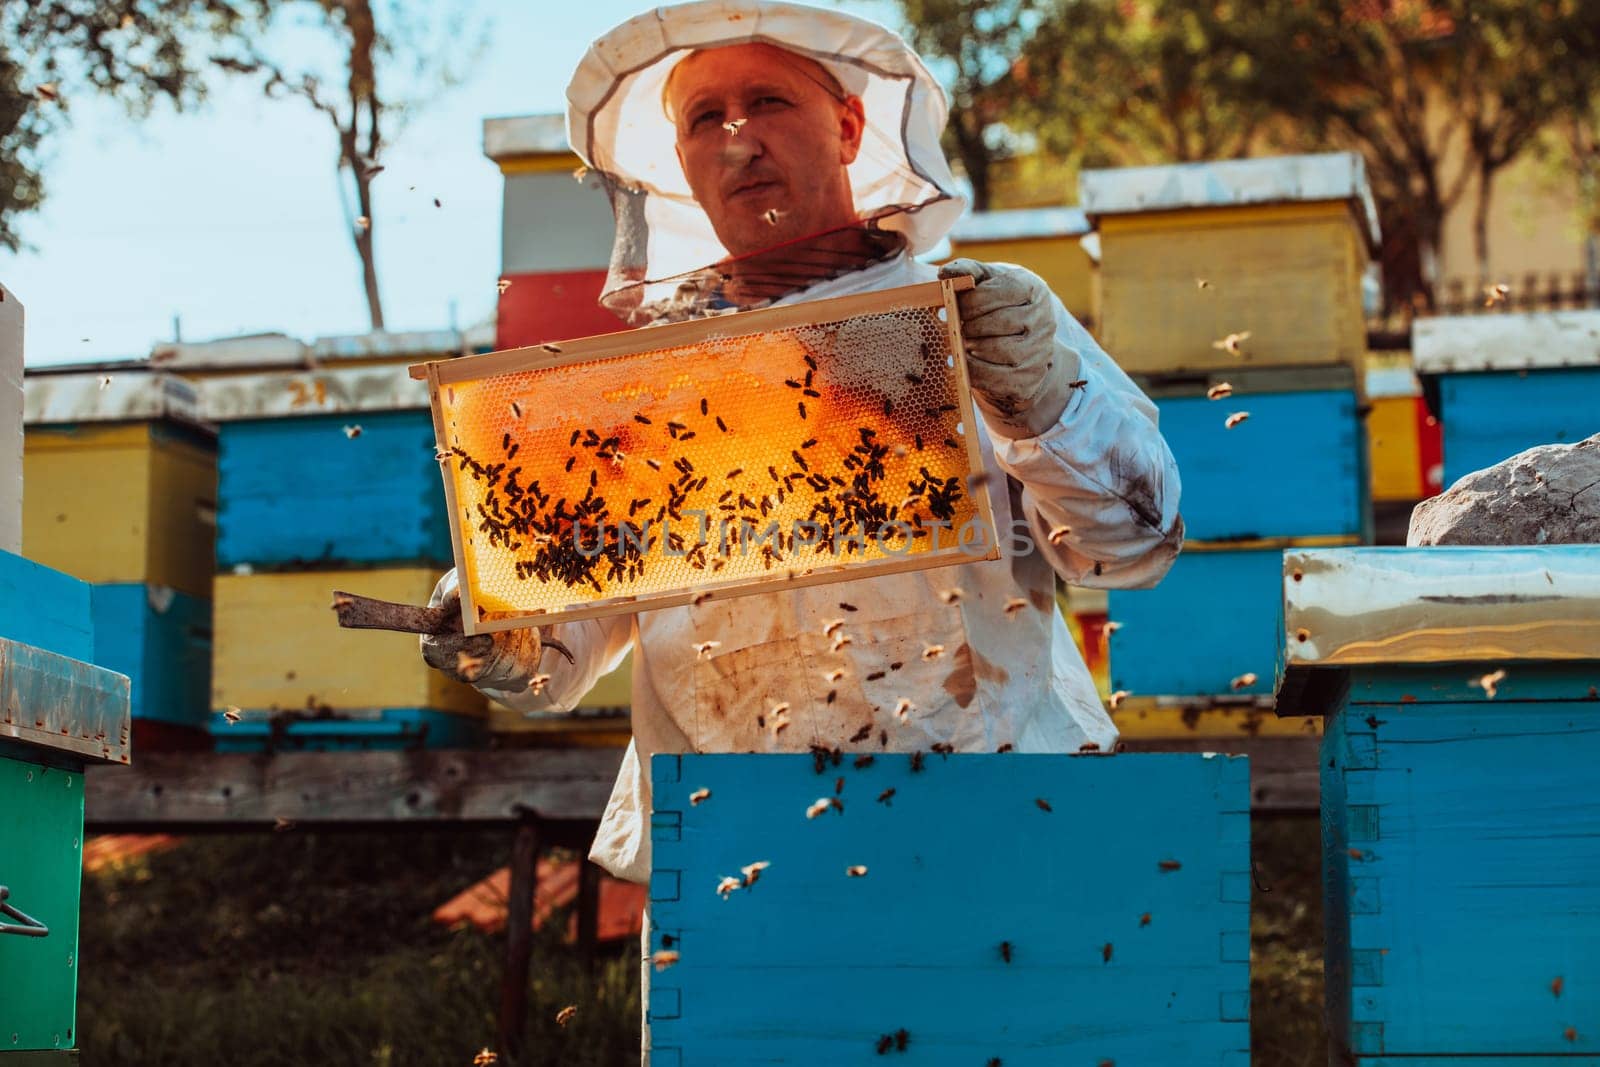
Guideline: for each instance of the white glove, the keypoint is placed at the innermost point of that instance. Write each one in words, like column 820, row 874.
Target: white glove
column 506, row 661
column 1021, row 374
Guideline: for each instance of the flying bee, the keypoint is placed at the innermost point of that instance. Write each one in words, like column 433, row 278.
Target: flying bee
column 840, row 640
column 1105, row 953
column 1201, row 283
column 1494, row 294
column 1235, row 419
column 537, row 683
column 503, row 284
column 752, row 871
column 1014, row 605
column 732, row 125
column 1555, row 986
column 1058, row 534
column 1244, row 681
column 468, row 666
column 830, row 626
column 697, row 796
column 580, row 174
column 1118, row 697
column 856, row 871
column 1044, row 805
column 903, row 709
column 352, row 432
column 819, row 806
column 664, row 958
column 1111, row 627
column 105, row 382
column 1218, row 391
column 1230, row 343
column 727, row 886
column 554, row 350
column 1144, row 920
column 1005, row 951
column 566, row 1015
column 772, row 215
column 1489, row 683
column 703, row 649
column 282, row 823
column 950, row 596
column 485, row 1058
column 233, row 715
column 834, row 675
column 932, row 652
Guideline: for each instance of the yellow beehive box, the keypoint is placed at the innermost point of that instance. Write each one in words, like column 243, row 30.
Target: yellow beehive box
column 277, row 646
column 1397, row 427
column 121, row 480
column 1271, row 252
column 1048, row 241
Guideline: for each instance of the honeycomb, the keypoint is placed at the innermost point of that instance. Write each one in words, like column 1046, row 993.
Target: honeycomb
column 823, row 449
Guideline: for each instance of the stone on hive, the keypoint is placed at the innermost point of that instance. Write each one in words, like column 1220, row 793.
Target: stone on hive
column 1548, row 495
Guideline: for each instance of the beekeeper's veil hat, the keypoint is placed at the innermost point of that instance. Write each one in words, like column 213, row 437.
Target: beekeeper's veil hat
column 663, row 261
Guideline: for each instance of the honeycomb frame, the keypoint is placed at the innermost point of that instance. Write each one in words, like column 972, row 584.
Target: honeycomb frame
column 848, row 358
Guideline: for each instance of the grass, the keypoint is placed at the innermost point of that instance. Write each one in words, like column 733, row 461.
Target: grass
column 317, row 949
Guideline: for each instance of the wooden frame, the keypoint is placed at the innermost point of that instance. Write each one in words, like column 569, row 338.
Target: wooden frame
column 940, row 295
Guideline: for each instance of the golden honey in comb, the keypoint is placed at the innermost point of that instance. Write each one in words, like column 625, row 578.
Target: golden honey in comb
column 741, row 459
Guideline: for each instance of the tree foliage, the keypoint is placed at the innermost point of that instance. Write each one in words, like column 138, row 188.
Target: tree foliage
column 138, row 52
column 973, row 44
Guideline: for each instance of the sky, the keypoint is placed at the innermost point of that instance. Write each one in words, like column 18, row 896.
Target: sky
column 226, row 220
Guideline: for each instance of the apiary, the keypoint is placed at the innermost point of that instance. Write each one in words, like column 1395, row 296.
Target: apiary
column 1508, row 382
column 121, row 475
column 710, row 458
column 870, row 881
column 1461, row 861
column 1269, row 253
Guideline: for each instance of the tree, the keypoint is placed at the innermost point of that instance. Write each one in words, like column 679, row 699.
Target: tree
column 973, row 43
column 1129, row 82
column 139, row 52
column 371, row 38
column 1411, row 83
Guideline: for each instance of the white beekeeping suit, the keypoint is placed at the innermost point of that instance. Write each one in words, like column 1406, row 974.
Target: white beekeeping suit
column 1095, row 488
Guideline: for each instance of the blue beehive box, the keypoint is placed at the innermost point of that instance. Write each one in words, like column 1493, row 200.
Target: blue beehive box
column 1508, row 382
column 1296, row 468
column 1488, row 417
column 1461, row 825
column 161, row 639
column 1213, row 619
column 1112, row 927
column 45, row 608
column 301, row 492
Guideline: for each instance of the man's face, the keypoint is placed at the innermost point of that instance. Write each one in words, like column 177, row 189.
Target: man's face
column 764, row 142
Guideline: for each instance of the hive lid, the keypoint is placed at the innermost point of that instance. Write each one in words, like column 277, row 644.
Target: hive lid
column 346, row 390
column 1232, row 183
column 1021, row 224
column 133, row 394
column 1455, row 604
column 63, row 705
column 1512, row 341
column 525, row 135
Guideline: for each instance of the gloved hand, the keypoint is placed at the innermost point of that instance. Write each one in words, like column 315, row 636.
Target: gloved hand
column 506, row 661
column 1021, row 375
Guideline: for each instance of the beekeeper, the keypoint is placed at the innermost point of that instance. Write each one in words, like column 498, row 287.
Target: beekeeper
column 770, row 153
